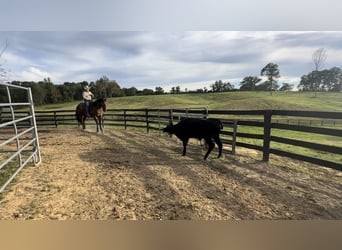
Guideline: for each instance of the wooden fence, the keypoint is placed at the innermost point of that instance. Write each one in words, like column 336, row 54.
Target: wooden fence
column 276, row 132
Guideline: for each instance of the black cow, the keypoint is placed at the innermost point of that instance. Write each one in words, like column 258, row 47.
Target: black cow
column 198, row 128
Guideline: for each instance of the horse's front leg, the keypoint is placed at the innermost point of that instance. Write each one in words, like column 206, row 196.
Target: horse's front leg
column 97, row 124
column 101, row 124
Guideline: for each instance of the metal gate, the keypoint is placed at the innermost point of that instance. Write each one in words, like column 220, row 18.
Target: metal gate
column 19, row 143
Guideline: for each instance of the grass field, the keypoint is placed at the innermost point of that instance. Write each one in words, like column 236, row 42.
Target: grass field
column 226, row 101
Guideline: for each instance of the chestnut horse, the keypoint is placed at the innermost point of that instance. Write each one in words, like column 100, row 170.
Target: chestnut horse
column 96, row 110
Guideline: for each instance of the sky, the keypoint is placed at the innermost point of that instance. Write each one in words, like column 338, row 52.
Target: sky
column 150, row 43
column 190, row 59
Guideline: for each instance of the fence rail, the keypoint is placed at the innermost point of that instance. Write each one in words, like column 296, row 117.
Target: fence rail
column 276, row 132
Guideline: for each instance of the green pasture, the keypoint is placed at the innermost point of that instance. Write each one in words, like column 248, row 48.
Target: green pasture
column 303, row 136
column 227, row 100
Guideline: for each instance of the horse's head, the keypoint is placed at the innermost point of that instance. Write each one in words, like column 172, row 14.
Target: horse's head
column 102, row 103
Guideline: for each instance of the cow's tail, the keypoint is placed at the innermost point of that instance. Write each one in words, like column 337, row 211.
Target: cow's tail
column 220, row 124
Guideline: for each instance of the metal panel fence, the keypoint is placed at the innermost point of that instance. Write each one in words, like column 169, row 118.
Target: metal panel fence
column 19, row 143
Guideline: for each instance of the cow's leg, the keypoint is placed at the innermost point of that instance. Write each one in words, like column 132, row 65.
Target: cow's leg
column 211, row 146
column 219, row 144
column 185, row 142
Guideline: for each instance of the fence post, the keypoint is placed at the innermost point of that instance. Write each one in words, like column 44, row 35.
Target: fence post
column 170, row 119
column 147, row 121
column 33, row 123
column 205, row 113
column 170, row 116
column 159, row 130
column 125, row 122
column 55, row 118
column 235, row 122
column 267, row 135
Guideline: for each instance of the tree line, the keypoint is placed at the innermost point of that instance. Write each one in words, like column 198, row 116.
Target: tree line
column 46, row 92
column 316, row 80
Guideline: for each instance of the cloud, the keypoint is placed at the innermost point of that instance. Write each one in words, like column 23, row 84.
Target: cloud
column 34, row 74
column 150, row 59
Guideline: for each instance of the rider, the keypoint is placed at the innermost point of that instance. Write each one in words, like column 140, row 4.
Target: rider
column 87, row 97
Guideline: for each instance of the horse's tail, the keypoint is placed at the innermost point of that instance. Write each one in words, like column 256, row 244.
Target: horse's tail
column 78, row 114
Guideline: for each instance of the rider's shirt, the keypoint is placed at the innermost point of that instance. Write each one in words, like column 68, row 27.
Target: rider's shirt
column 87, row 95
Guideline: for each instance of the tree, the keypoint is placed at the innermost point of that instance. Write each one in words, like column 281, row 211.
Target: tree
column 113, row 89
column 307, row 82
column 107, row 88
column 220, row 86
column 52, row 93
column 71, row 91
column 286, row 87
column 271, row 70
column 324, row 80
column 318, row 58
column 336, row 81
column 101, row 87
column 159, row 91
column 147, row 92
column 267, row 86
column 249, row 83
column 178, row 90
column 132, row 91
column 330, row 80
column 175, row 90
column 38, row 92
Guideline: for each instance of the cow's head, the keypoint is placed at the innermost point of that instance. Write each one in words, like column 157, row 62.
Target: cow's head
column 169, row 128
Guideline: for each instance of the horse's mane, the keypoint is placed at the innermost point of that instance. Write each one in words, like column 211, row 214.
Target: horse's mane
column 100, row 102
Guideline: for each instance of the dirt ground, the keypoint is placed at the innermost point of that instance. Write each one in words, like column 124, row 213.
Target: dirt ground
column 138, row 176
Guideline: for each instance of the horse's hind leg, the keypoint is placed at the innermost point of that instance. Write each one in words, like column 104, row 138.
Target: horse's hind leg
column 83, row 122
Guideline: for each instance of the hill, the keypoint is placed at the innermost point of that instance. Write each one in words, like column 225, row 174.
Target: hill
column 225, row 100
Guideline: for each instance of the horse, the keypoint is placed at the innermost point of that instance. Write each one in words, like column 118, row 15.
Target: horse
column 96, row 110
